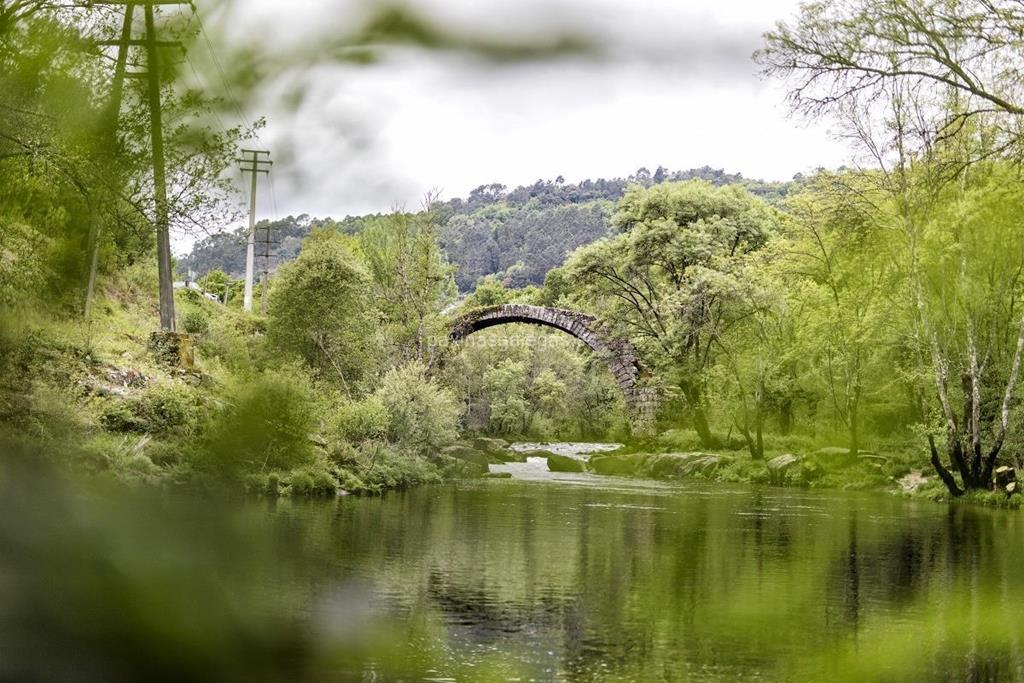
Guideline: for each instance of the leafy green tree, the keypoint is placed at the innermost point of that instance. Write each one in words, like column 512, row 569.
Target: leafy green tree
column 967, row 259
column 489, row 292
column 510, row 410
column 670, row 278
column 930, row 91
column 423, row 416
column 756, row 362
column 78, row 192
column 517, row 380
column 846, row 278
column 412, row 281
column 321, row 309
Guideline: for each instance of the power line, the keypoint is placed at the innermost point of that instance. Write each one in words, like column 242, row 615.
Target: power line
column 201, row 82
column 223, row 77
column 273, row 196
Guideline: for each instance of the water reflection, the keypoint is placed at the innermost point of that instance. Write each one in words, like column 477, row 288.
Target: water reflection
column 582, row 583
column 499, row 580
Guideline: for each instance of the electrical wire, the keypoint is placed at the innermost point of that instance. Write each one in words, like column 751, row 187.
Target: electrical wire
column 273, row 196
column 223, row 76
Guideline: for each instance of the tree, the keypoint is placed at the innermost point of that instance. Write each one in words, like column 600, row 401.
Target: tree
column 931, row 92
column 958, row 59
column 758, row 357
column 840, row 253
column 412, row 280
column 321, row 309
column 968, row 259
column 423, row 416
column 77, row 167
column 669, row 279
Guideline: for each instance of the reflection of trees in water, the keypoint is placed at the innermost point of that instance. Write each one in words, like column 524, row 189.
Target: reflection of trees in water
column 941, row 572
column 633, row 584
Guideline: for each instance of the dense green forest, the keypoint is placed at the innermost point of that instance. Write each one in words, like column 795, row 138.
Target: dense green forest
column 516, row 235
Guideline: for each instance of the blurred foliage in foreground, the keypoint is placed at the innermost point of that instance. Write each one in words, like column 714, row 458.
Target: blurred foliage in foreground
column 101, row 582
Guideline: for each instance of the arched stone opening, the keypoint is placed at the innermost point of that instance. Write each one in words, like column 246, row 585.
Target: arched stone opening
column 640, row 394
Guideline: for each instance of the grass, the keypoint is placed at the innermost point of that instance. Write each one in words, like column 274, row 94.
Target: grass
column 90, row 395
column 821, row 466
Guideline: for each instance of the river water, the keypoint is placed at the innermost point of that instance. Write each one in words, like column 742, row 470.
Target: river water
column 584, row 578
column 542, row 577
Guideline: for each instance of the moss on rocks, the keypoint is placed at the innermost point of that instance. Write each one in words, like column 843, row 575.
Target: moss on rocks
column 563, row 463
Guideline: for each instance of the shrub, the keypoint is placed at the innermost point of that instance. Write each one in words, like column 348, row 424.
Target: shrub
column 117, row 416
column 168, row 407
column 358, row 421
column 264, row 425
column 423, row 416
column 390, row 469
column 196, row 321
column 311, row 481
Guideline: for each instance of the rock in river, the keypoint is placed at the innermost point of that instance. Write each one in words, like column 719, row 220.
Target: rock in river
column 777, row 468
column 563, row 463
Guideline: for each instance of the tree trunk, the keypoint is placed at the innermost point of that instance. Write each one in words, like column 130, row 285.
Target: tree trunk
column 759, row 436
column 700, row 425
column 854, row 413
column 944, row 474
column 699, row 415
column 786, row 416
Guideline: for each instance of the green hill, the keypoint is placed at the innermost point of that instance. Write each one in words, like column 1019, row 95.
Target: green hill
column 518, row 234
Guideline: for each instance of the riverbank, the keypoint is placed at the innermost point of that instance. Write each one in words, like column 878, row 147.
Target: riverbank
column 105, row 397
column 99, row 397
column 899, row 472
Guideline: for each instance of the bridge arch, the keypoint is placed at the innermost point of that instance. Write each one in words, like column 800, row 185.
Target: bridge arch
column 630, row 374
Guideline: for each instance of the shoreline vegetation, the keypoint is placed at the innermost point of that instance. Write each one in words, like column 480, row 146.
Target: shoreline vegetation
column 96, row 395
column 861, row 323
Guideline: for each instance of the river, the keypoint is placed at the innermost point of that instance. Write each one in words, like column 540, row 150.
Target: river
column 542, row 577
column 577, row 577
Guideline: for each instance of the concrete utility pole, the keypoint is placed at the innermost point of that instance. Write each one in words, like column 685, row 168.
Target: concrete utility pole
column 156, row 131
column 265, row 245
column 152, row 75
column 254, row 164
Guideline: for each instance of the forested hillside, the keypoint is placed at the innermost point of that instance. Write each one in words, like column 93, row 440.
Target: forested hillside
column 518, row 234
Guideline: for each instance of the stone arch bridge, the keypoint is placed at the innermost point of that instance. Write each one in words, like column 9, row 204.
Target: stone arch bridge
column 633, row 379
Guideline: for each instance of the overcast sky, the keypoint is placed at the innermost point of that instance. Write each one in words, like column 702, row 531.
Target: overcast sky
column 673, row 85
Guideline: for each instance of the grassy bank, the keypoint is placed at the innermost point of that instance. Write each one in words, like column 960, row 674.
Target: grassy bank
column 898, row 467
column 96, row 397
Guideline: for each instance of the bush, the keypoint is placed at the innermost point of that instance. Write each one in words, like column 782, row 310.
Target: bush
column 265, row 425
column 117, row 416
column 390, row 469
column 227, row 339
column 358, row 421
column 196, row 321
column 423, row 416
column 168, row 407
column 311, row 481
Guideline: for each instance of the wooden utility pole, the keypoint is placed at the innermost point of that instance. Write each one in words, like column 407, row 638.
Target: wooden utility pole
column 254, row 164
column 109, row 137
column 163, row 236
column 162, row 223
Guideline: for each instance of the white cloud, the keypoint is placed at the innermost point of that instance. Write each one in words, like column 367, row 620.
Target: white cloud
column 675, row 87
